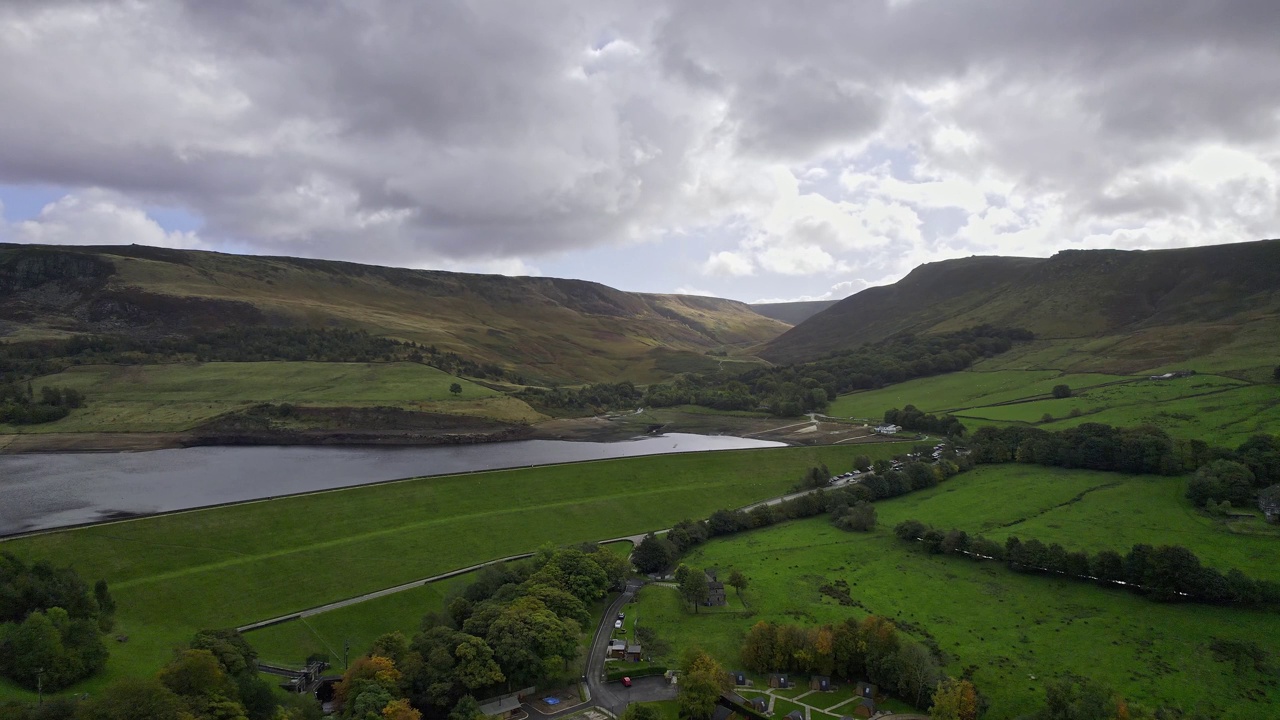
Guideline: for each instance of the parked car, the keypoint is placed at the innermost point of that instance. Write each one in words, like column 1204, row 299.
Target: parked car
column 622, row 616
column 626, row 682
column 617, row 624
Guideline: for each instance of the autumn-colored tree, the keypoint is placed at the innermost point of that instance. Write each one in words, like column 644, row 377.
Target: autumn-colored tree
column 400, row 710
column 955, row 700
column 374, row 669
column 823, row 650
column 759, row 647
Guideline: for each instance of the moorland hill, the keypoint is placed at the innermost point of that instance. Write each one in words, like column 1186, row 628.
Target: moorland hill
column 1111, row 310
column 548, row 329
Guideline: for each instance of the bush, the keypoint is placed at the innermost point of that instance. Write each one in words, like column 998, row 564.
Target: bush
column 1062, row 391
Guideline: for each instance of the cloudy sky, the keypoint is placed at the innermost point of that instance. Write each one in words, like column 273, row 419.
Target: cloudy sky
column 766, row 150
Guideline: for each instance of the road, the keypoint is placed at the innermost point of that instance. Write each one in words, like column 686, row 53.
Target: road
column 612, row 696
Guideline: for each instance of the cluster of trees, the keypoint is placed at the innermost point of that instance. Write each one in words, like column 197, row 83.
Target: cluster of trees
column 849, row 507
column 1169, row 573
column 20, row 405
column 215, row 678
column 598, row 397
column 656, row 553
column 1094, row 446
column 911, row 418
column 518, row 624
column 791, row 390
column 871, row 648
column 1222, row 474
column 50, row 624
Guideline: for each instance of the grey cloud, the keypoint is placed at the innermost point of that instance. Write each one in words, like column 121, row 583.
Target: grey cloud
column 403, row 130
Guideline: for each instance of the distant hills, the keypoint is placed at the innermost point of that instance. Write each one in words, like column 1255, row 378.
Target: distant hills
column 1142, row 308
column 792, row 313
column 1091, row 310
column 549, row 329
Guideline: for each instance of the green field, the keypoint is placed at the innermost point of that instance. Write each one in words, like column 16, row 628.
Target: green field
column 1017, row 630
column 1208, row 407
column 225, row 567
column 175, row 397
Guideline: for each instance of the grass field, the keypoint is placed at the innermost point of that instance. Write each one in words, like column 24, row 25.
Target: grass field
column 1016, row 630
column 174, row 397
column 225, row 567
column 1208, row 407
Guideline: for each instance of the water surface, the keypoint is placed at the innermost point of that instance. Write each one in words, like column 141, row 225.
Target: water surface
column 44, row 491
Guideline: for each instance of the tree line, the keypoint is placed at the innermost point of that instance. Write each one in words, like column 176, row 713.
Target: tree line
column 1222, row 474
column 1168, row 573
column 51, row 624
column 848, row 506
column 214, row 677
column 911, row 418
column 790, row 390
column 19, row 404
column 517, row 625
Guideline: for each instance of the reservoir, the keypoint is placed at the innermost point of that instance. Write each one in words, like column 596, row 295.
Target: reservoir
column 44, row 491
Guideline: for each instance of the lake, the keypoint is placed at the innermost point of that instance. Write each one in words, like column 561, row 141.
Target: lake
column 43, row 491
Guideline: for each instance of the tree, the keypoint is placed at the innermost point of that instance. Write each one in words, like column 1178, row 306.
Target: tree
column 738, row 582
column 862, row 463
column 400, row 710
column 1062, row 391
column 475, row 667
column 918, row 673
column 758, row 648
column 702, row 680
column 694, row 588
column 1221, row 480
column 640, row 711
column 455, row 388
column 1077, row 698
column 955, row 700
column 653, row 554
column 133, row 699
column 466, row 709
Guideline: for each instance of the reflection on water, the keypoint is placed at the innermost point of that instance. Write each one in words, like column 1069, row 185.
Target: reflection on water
column 47, row 491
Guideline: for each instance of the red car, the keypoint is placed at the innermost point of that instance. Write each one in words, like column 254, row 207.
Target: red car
column 626, row 682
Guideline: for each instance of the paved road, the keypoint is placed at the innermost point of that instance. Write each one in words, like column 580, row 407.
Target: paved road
column 612, row 696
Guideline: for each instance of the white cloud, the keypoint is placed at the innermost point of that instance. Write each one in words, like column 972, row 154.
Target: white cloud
column 728, row 263
column 685, row 290
column 851, row 139
column 96, row 217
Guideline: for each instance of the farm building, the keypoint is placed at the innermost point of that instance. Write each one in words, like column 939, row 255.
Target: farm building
column 865, row 690
column 502, row 707
column 887, row 429
column 739, row 677
column 795, row 715
column 779, row 680
column 820, row 682
column 634, row 653
column 1269, row 503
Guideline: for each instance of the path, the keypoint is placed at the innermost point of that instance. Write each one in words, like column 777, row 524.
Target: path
column 634, row 539
column 809, row 710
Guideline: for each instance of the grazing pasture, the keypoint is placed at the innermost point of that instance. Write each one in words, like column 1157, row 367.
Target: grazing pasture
column 1014, row 631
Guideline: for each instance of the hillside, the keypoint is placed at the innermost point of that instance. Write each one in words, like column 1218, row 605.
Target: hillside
column 1091, row 310
column 792, row 313
column 546, row 328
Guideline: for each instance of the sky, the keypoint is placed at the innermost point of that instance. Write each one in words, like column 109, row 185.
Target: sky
column 761, row 151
